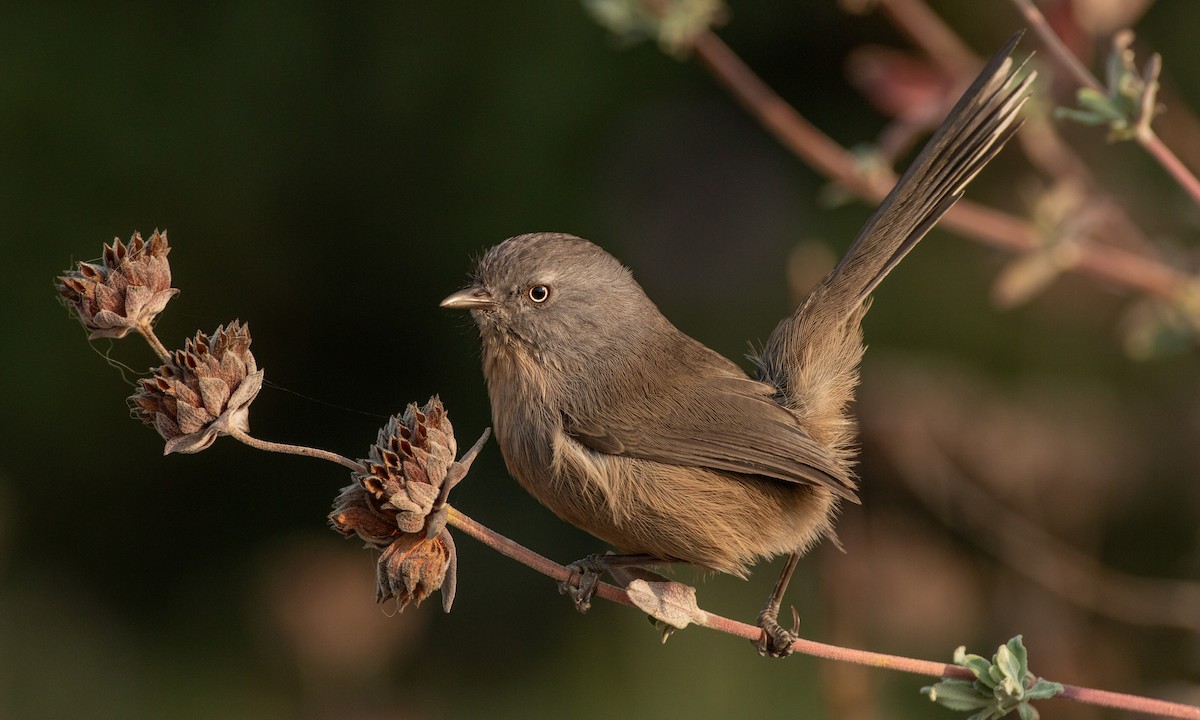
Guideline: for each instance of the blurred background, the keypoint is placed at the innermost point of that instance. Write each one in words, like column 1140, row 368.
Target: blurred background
column 327, row 173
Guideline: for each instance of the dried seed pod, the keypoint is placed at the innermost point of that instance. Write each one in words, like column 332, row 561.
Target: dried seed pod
column 202, row 391
column 407, row 465
column 128, row 288
column 413, row 567
column 396, row 504
column 355, row 514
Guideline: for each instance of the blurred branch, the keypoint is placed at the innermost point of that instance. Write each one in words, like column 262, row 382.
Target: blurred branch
column 1143, row 133
column 1055, row 45
column 990, row 226
column 932, row 475
column 926, row 29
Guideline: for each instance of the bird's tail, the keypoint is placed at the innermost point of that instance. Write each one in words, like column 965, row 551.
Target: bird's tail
column 970, row 136
column 812, row 356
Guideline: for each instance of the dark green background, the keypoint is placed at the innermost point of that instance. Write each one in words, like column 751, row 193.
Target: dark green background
column 326, row 173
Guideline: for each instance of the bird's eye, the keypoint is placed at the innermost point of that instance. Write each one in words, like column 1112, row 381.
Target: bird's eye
column 539, row 293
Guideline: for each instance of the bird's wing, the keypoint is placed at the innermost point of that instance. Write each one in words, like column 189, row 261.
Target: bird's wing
column 724, row 423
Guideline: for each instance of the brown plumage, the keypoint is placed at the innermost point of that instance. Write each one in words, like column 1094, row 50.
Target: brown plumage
column 633, row 431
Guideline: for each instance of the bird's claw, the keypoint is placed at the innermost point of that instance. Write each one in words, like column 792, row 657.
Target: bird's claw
column 776, row 641
column 581, row 584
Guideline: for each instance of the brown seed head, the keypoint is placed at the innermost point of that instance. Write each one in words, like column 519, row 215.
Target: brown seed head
column 413, row 567
column 397, row 504
column 355, row 513
column 128, row 288
column 407, row 465
column 202, row 391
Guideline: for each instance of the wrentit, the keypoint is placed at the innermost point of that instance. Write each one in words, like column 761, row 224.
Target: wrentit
column 634, row 432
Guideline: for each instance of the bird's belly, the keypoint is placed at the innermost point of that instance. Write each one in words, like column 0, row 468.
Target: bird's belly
column 713, row 519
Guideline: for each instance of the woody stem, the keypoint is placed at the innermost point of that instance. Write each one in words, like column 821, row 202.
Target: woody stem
column 295, row 450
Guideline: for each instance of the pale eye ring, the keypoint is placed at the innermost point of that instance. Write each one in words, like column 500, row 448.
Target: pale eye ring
column 539, row 293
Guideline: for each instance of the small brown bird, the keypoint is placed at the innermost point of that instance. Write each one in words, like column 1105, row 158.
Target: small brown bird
column 629, row 429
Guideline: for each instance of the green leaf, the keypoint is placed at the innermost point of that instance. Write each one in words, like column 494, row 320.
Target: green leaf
column 1101, row 104
column 1016, row 646
column 673, row 23
column 1043, row 690
column 1001, row 686
column 957, row 695
column 995, row 675
column 1010, row 664
column 1009, row 691
column 1082, row 117
column 974, row 663
column 1128, row 103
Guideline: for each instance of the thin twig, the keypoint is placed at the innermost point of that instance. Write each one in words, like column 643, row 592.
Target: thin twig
column 1169, row 160
column 551, row 569
column 927, row 30
column 1146, row 137
column 1055, row 45
column 146, row 330
column 294, row 450
column 992, row 227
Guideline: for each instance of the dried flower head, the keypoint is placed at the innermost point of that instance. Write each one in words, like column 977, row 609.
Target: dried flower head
column 127, row 289
column 202, row 391
column 413, row 567
column 406, row 467
column 397, row 503
column 355, row 513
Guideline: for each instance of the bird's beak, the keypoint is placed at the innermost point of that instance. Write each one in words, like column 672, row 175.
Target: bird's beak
column 472, row 298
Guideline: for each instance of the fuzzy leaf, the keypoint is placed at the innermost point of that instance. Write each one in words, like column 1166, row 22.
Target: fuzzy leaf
column 1083, row 117
column 1100, row 104
column 976, row 664
column 1002, row 685
column 1043, row 690
column 1008, row 665
column 1020, row 656
column 957, row 695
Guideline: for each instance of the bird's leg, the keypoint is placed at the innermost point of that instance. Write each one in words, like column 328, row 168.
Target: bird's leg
column 585, row 574
column 775, row 640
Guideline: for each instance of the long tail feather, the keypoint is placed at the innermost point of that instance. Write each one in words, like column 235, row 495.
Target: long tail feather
column 971, row 135
column 812, row 356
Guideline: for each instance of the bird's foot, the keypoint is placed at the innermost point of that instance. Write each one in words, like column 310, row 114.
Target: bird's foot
column 776, row 641
column 581, row 583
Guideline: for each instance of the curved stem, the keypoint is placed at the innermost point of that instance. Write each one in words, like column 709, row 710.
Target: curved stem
column 1055, row 45
column 295, row 450
column 1154, row 145
column 551, row 569
column 936, row 38
column 514, row 550
column 147, row 332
